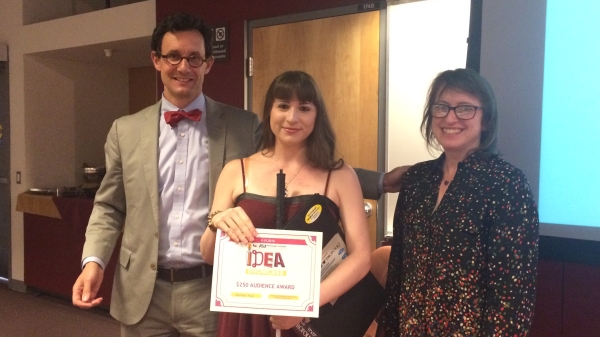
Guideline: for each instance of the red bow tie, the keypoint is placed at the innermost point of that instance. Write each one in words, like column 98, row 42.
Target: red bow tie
column 173, row 117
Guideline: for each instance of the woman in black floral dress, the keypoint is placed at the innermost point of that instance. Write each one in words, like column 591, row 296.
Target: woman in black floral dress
column 465, row 248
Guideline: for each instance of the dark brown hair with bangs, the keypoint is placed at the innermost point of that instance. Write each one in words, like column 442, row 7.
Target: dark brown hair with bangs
column 320, row 144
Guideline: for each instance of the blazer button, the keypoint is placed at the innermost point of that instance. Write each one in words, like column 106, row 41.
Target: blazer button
column 156, row 234
column 153, row 266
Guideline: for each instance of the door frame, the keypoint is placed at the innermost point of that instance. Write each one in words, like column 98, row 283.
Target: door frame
column 380, row 6
column 6, row 147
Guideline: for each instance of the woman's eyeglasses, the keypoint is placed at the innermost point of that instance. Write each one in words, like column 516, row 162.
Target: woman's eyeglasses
column 461, row 111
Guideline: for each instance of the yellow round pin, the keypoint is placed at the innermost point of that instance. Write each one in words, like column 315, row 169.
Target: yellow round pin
column 313, row 214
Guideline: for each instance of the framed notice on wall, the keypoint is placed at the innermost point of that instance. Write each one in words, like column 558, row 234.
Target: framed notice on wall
column 221, row 42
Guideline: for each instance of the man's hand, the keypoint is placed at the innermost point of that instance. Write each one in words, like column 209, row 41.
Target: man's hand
column 393, row 180
column 86, row 286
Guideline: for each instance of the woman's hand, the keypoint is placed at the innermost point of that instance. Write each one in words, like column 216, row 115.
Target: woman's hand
column 235, row 223
column 285, row 322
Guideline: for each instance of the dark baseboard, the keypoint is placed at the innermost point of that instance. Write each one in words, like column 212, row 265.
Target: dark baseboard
column 17, row 285
column 570, row 250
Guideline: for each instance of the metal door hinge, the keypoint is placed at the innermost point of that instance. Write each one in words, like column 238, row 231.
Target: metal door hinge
column 250, row 66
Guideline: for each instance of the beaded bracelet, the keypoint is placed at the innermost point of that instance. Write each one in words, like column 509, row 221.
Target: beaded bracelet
column 209, row 221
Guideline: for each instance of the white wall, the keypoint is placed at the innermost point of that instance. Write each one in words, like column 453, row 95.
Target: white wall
column 114, row 24
column 40, row 10
column 512, row 54
column 422, row 42
column 33, row 82
column 67, row 121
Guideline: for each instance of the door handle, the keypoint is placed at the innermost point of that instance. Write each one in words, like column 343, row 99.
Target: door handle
column 368, row 209
column 3, row 180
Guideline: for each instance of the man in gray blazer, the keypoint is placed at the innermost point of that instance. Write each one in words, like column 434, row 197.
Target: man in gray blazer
column 162, row 165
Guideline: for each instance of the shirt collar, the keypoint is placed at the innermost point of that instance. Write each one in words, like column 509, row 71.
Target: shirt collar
column 472, row 159
column 198, row 103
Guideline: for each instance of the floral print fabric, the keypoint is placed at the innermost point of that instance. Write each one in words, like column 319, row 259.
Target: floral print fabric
column 467, row 268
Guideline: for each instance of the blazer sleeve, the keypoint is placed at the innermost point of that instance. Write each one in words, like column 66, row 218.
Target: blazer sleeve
column 370, row 182
column 108, row 214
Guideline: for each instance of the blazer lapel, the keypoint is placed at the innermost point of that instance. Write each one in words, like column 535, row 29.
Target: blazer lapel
column 217, row 131
column 149, row 149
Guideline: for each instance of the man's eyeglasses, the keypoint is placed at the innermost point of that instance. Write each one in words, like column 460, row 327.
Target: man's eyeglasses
column 194, row 61
column 461, row 111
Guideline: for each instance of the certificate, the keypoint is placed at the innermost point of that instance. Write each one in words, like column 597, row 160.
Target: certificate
column 277, row 274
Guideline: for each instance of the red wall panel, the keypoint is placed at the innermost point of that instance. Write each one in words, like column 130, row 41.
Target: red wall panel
column 547, row 319
column 53, row 249
column 581, row 314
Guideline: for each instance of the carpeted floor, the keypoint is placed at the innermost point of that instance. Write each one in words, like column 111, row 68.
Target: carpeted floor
column 32, row 315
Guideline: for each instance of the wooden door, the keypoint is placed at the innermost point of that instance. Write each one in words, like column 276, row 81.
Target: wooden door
column 342, row 54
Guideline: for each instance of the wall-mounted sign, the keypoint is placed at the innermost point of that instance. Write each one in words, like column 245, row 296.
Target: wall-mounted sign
column 369, row 6
column 221, row 43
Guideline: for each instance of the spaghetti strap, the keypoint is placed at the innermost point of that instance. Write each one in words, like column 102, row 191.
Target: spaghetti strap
column 327, row 183
column 243, row 174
